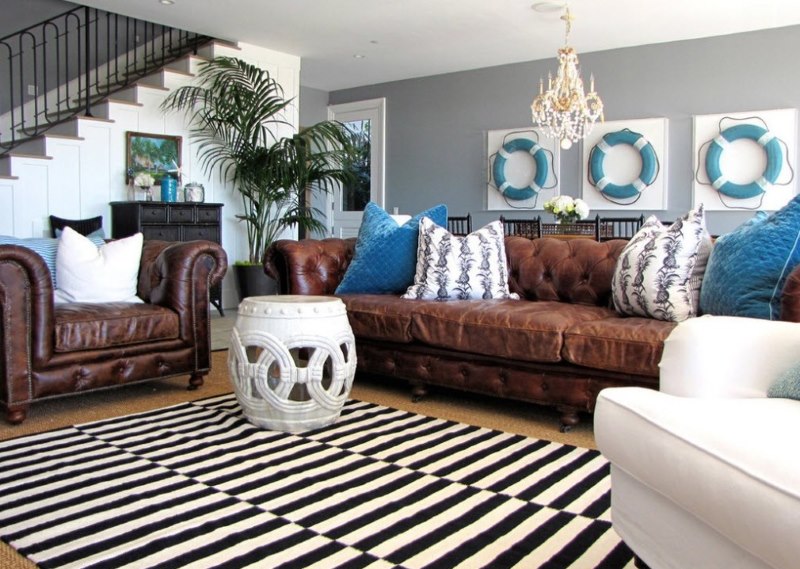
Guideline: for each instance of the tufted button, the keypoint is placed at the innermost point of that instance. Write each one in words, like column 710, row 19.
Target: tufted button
column 464, row 371
column 545, row 387
column 503, row 377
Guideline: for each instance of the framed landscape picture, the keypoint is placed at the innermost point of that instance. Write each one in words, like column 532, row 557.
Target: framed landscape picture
column 154, row 154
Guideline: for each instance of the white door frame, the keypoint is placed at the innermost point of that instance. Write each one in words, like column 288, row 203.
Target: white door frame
column 375, row 110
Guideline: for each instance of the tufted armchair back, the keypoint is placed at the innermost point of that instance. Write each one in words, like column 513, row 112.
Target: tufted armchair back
column 578, row 271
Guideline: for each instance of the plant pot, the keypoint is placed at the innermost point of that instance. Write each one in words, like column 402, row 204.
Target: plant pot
column 251, row 281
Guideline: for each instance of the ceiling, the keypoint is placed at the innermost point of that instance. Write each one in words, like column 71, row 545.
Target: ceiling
column 401, row 39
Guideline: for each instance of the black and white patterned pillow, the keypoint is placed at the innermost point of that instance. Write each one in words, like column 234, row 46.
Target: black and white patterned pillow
column 460, row 268
column 660, row 270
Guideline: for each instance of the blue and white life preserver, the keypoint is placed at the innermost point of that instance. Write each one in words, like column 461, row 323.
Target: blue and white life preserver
column 647, row 174
column 768, row 142
column 539, row 179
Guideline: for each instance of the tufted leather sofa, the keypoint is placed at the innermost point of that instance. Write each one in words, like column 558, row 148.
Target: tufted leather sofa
column 50, row 350
column 560, row 345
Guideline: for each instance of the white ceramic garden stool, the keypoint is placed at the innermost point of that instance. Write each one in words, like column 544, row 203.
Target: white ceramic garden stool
column 292, row 360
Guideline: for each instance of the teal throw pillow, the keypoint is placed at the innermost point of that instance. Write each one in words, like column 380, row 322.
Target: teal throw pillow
column 749, row 266
column 787, row 385
column 385, row 257
column 46, row 247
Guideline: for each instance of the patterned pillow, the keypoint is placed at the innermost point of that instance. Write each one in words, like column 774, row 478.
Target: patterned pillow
column 451, row 267
column 45, row 247
column 660, row 270
column 749, row 266
column 385, row 253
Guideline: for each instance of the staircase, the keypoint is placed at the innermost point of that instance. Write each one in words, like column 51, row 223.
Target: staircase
column 77, row 166
column 62, row 67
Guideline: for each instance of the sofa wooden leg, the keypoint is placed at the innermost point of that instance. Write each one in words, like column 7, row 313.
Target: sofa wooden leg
column 16, row 414
column 195, row 381
column 418, row 391
column 569, row 418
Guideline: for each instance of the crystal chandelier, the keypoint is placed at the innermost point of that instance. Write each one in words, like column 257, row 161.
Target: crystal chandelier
column 564, row 110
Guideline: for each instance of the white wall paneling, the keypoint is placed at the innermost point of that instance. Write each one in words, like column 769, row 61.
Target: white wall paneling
column 743, row 161
column 622, row 165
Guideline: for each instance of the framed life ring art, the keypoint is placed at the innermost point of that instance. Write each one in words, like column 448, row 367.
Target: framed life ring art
column 522, row 169
column 624, row 165
column 745, row 161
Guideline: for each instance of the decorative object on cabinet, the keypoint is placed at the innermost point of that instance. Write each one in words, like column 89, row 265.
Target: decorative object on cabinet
column 565, row 111
column 194, row 193
column 153, row 154
column 170, row 222
column 522, row 169
column 623, row 165
column 743, row 161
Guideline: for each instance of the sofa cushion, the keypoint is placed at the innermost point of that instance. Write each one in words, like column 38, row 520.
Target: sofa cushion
column 451, row 267
column 628, row 345
column 385, row 253
column 380, row 316
column 91, row 326
column 658, row 274
column 787, row 385
column 749, row 266
column 87, row 273
column 528, row 331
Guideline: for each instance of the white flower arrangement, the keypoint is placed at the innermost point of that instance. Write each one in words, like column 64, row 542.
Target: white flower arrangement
column 143, row 180
column 567, row 209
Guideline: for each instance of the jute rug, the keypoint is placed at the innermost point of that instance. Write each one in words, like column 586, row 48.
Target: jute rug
column 196, row 485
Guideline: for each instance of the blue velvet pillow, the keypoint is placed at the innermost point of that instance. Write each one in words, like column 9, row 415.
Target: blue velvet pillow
column 749, row 266
column 385, row 257
column 787, row 385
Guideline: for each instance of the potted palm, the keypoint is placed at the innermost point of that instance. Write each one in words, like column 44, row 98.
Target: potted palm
column 235, row 110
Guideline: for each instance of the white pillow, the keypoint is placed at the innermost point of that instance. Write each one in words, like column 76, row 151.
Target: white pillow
column 660, row 270
column 87, row 273
column 460, row 268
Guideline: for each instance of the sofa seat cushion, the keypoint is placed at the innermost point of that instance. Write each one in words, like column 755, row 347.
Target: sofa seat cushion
column 728, row 462
column 628, row 345
column 528, row 331
column 380, row 316
column 95, row 326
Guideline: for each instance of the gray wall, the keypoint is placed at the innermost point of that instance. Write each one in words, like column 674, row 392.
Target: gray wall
column 19, row 14
column 436, row 126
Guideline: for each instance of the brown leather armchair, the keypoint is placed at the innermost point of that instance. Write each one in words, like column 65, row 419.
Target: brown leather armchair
column 50, row 350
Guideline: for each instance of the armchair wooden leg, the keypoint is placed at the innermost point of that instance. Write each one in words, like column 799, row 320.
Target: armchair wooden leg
column 418, row 391
column 569, row 418
column 15, row 414
column 195, row 381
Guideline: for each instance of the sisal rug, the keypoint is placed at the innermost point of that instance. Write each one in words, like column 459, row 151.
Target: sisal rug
column 196, row 485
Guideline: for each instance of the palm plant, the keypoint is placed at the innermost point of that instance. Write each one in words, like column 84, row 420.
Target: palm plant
column 236, row 109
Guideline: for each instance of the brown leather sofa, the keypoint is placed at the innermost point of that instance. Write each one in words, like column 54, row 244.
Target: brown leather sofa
column 49, row 350
column 560, row 345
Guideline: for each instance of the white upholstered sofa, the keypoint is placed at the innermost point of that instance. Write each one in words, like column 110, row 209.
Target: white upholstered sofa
column 706, row 472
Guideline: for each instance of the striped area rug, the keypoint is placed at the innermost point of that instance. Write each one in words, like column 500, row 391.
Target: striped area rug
column 196, row 485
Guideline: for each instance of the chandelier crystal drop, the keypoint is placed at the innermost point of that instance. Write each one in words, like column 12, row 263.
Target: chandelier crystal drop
column 565, row 111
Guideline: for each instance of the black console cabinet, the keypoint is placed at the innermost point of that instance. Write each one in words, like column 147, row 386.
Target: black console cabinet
column 170, row 221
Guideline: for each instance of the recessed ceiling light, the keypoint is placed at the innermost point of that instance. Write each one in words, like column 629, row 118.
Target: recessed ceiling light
column 359, row 56
column 166, row 2
column 547, row 7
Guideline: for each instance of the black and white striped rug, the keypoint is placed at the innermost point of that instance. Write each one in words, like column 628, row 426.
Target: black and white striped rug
column 196, row 485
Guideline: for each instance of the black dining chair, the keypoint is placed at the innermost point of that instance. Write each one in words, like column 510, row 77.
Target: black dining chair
column 460, row 225
column 619, row 227
column 530, row 228
column 82, row 226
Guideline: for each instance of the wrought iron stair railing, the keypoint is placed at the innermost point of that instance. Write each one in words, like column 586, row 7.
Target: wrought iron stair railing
column 59, row 68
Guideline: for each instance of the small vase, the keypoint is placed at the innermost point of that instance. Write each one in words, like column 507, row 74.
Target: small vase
column 148, row 194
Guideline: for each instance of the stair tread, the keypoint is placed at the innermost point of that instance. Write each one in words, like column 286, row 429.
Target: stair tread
column 120, row 102
column 4, row 177
column 25, row 155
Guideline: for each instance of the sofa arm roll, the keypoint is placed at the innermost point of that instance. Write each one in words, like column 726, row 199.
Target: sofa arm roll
column 26, row 293
column 179, row 276
column 309, row 266
column 727, row 356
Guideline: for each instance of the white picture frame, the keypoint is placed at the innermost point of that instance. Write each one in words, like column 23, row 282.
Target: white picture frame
column 520, row 169
column 623, row 162
column 744, row 160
